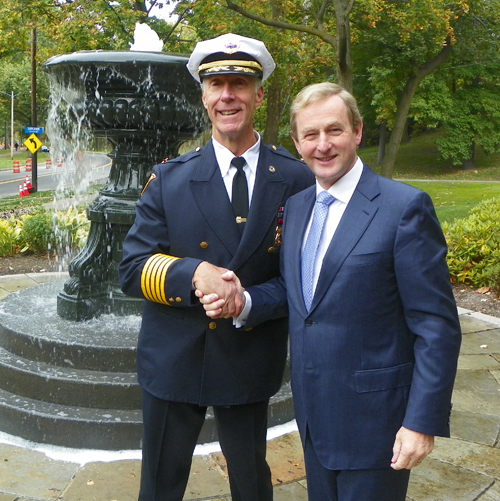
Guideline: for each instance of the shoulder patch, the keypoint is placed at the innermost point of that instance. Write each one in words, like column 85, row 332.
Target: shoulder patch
column 151, row 178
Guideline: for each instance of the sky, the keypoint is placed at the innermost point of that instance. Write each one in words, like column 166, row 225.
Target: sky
column 163, row 13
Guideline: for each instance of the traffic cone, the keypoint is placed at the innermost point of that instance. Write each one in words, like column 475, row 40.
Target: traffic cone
column 48, row 163
column 21, row 191
column 25, row 190
column 59, row 161
column 16, row 168
column 29, row 165
column 28, row 184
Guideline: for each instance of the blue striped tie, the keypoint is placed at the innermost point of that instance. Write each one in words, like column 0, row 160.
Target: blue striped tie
column 323, row 201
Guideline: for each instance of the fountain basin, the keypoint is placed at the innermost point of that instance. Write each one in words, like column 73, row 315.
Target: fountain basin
column 74, row 384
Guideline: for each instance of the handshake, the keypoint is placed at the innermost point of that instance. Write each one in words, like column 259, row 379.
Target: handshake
column 219, row 290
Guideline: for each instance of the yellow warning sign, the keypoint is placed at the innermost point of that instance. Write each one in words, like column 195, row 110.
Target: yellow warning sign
column 32, row 143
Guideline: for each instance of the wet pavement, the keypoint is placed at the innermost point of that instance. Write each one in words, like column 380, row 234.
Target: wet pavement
column 465, row 467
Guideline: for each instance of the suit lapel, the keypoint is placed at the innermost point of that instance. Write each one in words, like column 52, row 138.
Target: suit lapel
column 358, row 215
column 212, row 199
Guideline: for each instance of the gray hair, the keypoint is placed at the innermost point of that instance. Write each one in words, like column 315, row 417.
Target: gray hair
column 316, row 92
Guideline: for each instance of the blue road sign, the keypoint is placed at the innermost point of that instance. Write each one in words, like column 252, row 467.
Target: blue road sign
column 33, row 130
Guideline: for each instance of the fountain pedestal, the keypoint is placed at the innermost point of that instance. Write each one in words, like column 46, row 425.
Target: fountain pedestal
column 146, row 104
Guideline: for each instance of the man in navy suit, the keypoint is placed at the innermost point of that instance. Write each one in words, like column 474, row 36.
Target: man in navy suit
column 198, row 215
column 374, row 330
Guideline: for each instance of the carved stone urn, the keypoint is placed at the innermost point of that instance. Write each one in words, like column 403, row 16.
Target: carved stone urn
column 146, row 104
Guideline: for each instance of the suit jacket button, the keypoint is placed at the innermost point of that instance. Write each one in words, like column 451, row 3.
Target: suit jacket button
column 212, row 326
column 204, row 245
column 309, row 322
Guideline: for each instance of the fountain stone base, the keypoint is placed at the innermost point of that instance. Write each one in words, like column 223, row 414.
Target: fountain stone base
column 74, row 384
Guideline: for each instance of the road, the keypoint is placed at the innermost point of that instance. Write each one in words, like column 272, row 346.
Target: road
column 49, row 179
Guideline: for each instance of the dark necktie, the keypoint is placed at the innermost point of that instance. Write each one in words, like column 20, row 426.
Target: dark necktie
column 240, row 193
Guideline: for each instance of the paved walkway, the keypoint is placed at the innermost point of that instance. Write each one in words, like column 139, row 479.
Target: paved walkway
column 463, row 468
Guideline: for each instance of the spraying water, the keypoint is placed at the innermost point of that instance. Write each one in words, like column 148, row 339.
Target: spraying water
column 146, row 39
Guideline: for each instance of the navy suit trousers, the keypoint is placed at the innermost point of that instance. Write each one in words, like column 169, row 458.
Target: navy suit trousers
column 352, row 485
column 170, row 434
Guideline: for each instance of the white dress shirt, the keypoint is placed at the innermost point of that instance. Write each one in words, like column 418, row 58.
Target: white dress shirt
column 342, row 190
column 224, row 157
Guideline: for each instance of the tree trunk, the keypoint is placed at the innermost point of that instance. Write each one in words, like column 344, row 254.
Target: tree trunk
column 274, row 109
column 470, row 163
column 343, row 46
column 404, row 104
column 382, row 140
column 406, row 132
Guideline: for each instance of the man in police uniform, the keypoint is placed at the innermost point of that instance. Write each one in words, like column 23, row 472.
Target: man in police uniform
column 200, row 214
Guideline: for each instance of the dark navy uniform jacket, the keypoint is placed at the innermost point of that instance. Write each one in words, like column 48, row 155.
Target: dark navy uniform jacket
column 185, row 217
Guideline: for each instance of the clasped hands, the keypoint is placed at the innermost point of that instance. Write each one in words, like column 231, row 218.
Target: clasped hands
column 219, row 290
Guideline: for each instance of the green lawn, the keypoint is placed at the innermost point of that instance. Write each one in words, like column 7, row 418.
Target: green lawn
column 454, row 199
column 6, row 162
column 419, row 159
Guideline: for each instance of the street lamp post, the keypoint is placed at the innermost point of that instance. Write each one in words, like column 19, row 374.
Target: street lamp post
column 12, row 96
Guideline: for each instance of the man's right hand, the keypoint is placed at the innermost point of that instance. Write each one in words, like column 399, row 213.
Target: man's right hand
column 216, row 307
column 214, row 284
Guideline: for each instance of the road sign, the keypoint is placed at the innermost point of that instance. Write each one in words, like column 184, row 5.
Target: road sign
column 32, row 143
column 33, row 130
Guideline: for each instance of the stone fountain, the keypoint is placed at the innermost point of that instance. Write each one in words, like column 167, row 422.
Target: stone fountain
column 67, row 357
column 146, row 104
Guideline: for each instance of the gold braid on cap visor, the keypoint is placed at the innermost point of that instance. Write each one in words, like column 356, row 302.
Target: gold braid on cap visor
column 153, row 277
column 247, row 66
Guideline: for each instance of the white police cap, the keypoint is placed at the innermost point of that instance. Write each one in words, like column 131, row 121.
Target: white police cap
column 230, row 54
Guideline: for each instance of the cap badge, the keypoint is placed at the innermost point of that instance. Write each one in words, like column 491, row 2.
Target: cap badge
column 231, row 47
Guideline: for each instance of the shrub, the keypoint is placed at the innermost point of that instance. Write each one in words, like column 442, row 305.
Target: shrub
column 59, row 232
column 38, row 233
column 7, row 238
column 493, row 279
column 71, row 229
column 474, row 243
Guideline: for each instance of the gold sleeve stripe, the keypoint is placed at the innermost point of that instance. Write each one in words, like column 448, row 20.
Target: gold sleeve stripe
column 154, row 275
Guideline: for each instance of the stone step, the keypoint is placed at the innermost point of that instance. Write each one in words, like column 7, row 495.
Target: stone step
column 66, row 386
column 69, row 426
column 102, row 429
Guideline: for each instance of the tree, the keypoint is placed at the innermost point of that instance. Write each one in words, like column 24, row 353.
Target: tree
column 315, row 19
column 63, row 26
column 403, row 43
column 420, row 34
column 473, row 82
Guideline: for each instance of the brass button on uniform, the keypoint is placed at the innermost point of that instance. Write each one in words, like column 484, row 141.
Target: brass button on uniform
column 212, row 326
column 198, row 148
column 274, row 147
column 204, row 245
column 270, row 250
column 178, row 300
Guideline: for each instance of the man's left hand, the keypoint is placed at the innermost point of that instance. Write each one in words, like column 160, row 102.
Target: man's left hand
column 410, row 449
